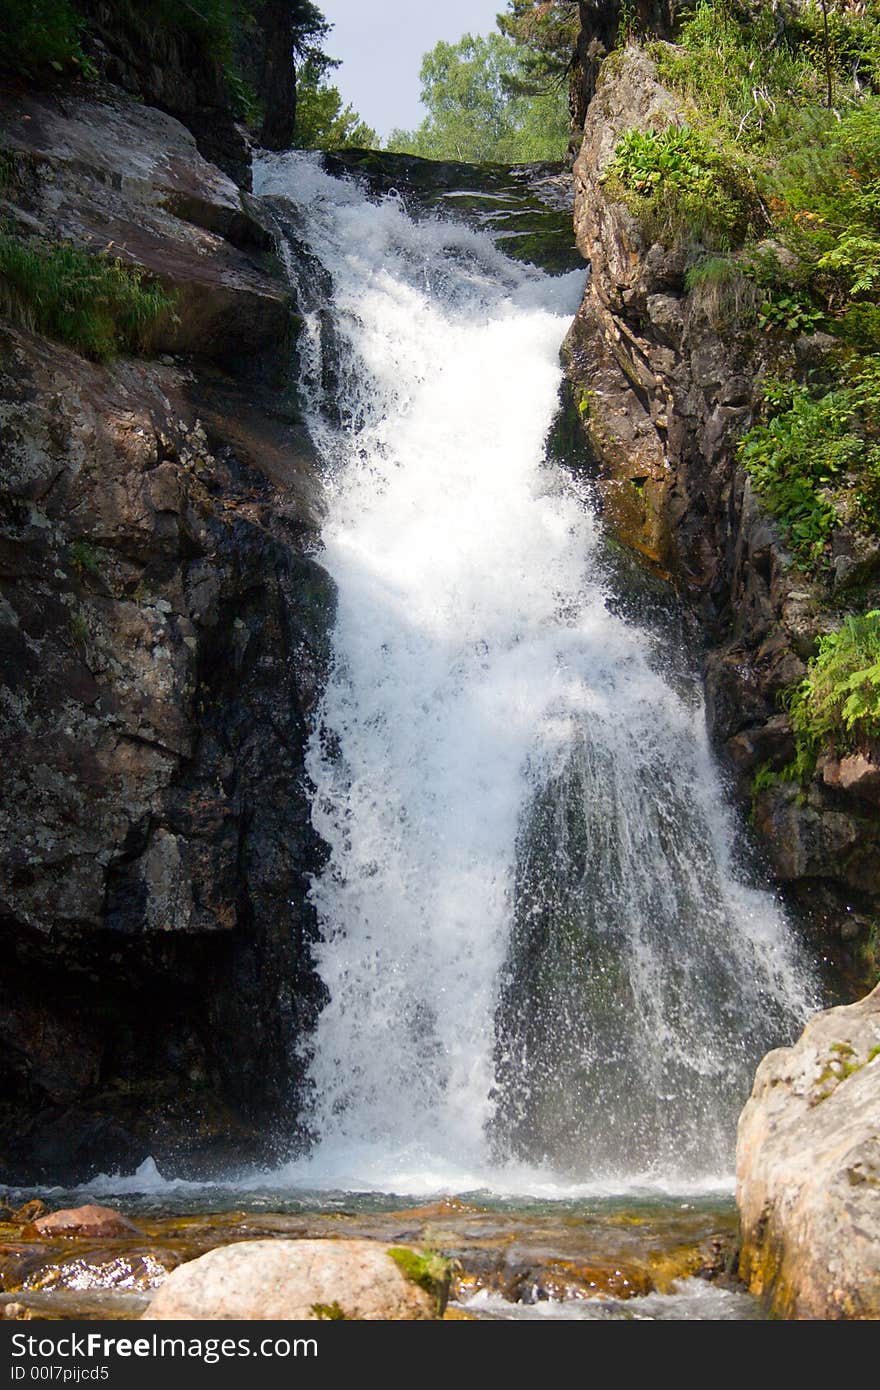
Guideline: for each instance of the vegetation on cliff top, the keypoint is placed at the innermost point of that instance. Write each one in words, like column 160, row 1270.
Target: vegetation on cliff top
column 676, row 179
column 36, row 35
column 769, row 183
column 772, row 185
column 42, row 39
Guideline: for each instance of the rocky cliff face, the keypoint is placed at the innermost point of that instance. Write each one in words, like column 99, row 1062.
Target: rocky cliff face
column 162, row 629
column 169, row 67
column 663, row 393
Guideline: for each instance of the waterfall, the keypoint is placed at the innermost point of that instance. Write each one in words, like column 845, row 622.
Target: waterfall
column 541, row 956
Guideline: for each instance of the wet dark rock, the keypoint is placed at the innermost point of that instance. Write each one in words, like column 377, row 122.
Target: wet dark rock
column 171, row 69
column 526, row 207
column 163, row 634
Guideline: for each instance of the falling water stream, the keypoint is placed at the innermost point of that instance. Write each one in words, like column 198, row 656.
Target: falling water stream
column 543, row 962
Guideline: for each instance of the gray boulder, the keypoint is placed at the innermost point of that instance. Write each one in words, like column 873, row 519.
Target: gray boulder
column 808, row 1170
column 292, row 1279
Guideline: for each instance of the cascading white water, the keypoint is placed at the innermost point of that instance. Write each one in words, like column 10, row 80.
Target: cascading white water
column 537, row 951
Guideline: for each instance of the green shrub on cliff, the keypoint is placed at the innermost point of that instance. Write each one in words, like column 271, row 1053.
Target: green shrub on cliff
column 36, row 35
column 677, row 183
column 814, row 461
column 783, row 116
column 724, row 290
column 95, row 304
column 759, row 93
column 793, row 461
column 837, row 705
column 738, row 76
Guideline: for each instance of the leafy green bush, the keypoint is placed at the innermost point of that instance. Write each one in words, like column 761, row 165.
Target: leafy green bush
column 825, row 197
column 759, row 93
column 853, row 48
column 739, row 77
column 95, row 304
column 788, row 313
column 860, row 325
column 676, row 183
column 40, row 34
column 795, row 458
column 837, row 705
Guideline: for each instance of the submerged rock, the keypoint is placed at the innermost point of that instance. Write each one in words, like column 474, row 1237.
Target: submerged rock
column 808, row 1170
column 293, row 1279
column 524, row 1257
column 526, row 208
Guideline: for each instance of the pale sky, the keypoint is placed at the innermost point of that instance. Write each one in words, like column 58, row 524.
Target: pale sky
column 381, row 43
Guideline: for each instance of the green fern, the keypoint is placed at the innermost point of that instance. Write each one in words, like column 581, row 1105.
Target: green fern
column 676, row 182
column 837, row 705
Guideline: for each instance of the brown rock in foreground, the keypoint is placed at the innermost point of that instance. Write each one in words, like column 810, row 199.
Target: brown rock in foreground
column 292, row 1279
column 808, row 1170
column 89, row 1220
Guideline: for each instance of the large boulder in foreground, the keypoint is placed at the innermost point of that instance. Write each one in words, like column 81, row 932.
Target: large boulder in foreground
column 293, row 1279
column 808, row 1170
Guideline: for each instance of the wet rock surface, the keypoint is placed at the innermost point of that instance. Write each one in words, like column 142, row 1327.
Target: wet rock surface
column 527, row 207
column 525, row 1258
column 808, row 1170
column 111, row 173
column 172, row 69
column 163, row 631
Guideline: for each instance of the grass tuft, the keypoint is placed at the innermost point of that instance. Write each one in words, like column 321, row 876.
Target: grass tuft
column 96, row 304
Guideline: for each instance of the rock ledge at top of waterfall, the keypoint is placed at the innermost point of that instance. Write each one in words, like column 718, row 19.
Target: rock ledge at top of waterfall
column 808, row 1170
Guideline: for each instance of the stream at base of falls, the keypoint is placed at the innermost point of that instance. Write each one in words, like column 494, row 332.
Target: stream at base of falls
column 620, row 1258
